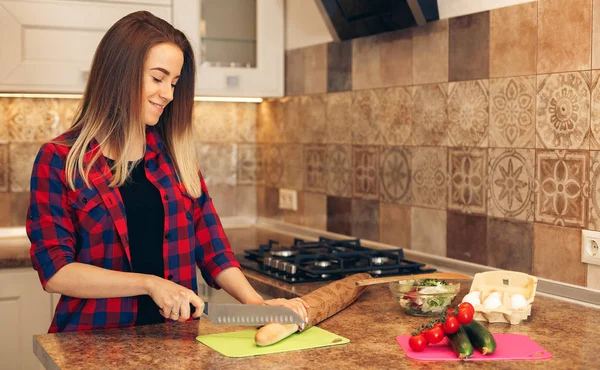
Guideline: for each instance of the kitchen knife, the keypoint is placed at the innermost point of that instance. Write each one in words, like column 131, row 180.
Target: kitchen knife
column 249, row 314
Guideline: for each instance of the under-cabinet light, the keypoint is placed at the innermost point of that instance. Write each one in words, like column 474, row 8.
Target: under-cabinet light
column 78, row 96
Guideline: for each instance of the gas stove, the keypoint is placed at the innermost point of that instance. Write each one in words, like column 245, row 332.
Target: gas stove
column 327, row 259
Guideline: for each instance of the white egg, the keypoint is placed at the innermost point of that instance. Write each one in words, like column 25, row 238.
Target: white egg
column 492, row 301
column 518, row 301
column 473, row 298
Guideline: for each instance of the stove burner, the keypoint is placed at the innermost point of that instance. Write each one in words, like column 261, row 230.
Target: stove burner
column 380, row 260
column 283, row 252
column 327, row 259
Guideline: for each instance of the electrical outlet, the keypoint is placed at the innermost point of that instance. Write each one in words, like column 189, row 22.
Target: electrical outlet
column 590, row 247
column 288, row 199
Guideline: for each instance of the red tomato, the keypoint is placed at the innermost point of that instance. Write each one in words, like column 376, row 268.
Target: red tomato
column 464, row 316
column 435, row 334
column 467, row 305
column 451, row 325
column 417, row 342
column 451, row 311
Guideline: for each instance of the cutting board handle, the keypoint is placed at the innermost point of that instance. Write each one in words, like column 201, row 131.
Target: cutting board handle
column 434, row 275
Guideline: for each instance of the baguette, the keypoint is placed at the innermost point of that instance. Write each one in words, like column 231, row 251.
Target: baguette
column 273, row 333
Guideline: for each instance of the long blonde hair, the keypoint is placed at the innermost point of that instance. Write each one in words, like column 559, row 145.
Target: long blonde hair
column 111, row 106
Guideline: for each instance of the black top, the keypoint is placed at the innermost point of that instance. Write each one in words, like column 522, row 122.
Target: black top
column 145, row 225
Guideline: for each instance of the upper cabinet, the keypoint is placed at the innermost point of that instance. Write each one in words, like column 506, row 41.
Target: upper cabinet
column 238, row 45
column 48, row 45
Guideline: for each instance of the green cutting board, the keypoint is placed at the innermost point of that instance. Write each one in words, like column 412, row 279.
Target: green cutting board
column 241, row 343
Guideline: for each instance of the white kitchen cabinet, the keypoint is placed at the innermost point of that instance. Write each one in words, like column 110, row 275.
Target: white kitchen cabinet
column 25, row 310
column 238, row 45
column 48, row 45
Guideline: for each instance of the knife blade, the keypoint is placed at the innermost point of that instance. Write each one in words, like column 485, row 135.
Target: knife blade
column 249, row 315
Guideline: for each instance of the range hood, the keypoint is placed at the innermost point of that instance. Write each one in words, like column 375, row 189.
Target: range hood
column 349, row 19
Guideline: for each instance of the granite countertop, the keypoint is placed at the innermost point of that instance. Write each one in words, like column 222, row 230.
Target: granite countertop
column 567, row 330
column 14, row 252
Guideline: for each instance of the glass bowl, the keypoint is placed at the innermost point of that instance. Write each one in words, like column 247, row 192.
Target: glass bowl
column 424, row 297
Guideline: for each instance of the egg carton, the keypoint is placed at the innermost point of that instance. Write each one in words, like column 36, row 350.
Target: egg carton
column 507, row 283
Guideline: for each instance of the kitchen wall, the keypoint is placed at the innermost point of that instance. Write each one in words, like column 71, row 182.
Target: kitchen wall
column 226, row 130
column 475, row 138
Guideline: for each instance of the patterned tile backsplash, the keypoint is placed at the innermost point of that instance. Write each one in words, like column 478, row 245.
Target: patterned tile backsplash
column 488, row 151
column 229, row 157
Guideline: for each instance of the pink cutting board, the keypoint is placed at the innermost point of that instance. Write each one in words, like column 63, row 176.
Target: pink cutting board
column 508, row 347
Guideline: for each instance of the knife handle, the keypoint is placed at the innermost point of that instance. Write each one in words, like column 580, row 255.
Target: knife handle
column 205, row 311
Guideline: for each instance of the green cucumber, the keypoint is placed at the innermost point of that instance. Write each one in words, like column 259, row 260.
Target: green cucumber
column 480, row 337
column 460, row 344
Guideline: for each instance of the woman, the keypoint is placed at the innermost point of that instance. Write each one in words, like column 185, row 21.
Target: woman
column 119, row 214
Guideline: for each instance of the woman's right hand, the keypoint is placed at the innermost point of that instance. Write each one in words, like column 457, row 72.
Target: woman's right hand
column 173, row 299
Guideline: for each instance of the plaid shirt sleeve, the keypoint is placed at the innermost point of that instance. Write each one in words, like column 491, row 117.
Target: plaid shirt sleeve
column 49, row 225
column 213, row 251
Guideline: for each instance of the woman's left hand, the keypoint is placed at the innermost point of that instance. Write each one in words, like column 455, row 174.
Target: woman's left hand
column 295, row 304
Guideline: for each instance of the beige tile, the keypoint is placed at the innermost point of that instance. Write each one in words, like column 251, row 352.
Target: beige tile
column 395, row 174
column 430, row 114
column 430, row 53
column 294, row 124
column 338, row 116
column 428, row 231
column 551, row 242
column 5, row 210
column 315, row 168
column 513, row 40
column 294, row 72
column 595, row 116
column 245, row 122
column 593, row 277
column 261, row 201
column 365, row 63
column 469, row 47
column 562, row 178
column 272, row 209
column 512, row 112
column 563, row 110
column 293, row 166
column 395, row 115
column 215, row 121
column 273, row 165
column 511, row 183
column 33, row 120
column 315, row 69
column 18, row 207
column 269, row 122
column 594, row 202
column 564, row 34
column 224, row 199
column 247, row 163
column 468, row 113
column 382, row 60
column 313, row 119
column 315, row 210
column 67, row 112
column 365, row 172
column 467, row 180
column 21, row 157
column 339, row 215
column 395, row 50
column 395, row 225
column 596, row 35
column 339, row 66
column 4, row 118
column 4, row 168
column 366, row 127
column 339, row 170
column 218, row 163
column 429, row 177
column 246, row 200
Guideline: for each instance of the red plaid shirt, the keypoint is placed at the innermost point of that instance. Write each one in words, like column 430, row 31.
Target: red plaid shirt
column 89, row 226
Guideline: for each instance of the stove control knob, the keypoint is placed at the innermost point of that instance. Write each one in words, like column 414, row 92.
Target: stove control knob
column 291, row 269
column 283, row 266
